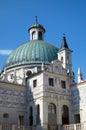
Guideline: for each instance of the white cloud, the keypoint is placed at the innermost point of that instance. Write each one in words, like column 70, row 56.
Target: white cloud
column 5, row 52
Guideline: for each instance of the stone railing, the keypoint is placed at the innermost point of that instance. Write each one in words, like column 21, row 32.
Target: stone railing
column 16, row 127
column 78, row 126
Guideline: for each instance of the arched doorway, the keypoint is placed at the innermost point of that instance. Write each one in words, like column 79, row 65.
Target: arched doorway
column 52, row 117
column 65, row 114
column 52, row 114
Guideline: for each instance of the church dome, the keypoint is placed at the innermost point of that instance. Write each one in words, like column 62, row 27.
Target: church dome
column 33, row 52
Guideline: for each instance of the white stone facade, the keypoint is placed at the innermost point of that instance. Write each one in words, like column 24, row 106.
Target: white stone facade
column 43, row 95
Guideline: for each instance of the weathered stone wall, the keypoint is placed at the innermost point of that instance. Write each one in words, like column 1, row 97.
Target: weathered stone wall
column 79, row 101
column 12, row 102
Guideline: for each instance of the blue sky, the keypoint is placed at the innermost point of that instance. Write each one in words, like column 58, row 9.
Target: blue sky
column 57, row 16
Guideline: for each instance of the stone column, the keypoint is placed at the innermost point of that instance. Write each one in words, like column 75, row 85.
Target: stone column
column 0, row 126
column 15, row 80
column 13, row 127
column 44, row 114
column 59, row 114
column 70, row 116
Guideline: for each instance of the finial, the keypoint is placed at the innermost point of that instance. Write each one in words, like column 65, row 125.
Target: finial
column 80, row 77
column 36, row 19
column 79, row 71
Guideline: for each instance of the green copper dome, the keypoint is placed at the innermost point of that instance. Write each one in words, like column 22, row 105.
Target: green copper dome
column 33, row 52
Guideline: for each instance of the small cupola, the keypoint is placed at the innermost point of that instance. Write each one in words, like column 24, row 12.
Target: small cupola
column 36, row 31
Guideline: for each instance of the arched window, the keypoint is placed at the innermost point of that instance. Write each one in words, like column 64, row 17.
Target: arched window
column 62, row 59
column 33, row 35
column 65, row 114
column 40, row 35
column 52, row 108
column 67, row 59
column 31, row 116
column 38, row 114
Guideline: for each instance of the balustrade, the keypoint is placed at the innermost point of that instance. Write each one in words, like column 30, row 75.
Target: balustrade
column 16, row 127
column 78, row 126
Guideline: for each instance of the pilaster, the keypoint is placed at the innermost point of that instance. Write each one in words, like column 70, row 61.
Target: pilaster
column 59, row 112
column 44, row 114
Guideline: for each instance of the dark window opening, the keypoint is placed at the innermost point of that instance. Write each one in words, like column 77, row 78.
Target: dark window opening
column 77, row 118
column 38, row 109
column 38, row 114
column 21, row 120
column 28, row 73
column 63, row 84
column 65, row 115
column 40, row 35
column 62, row 59
column 5, row 115
column 51, row 81
column 34, row 83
